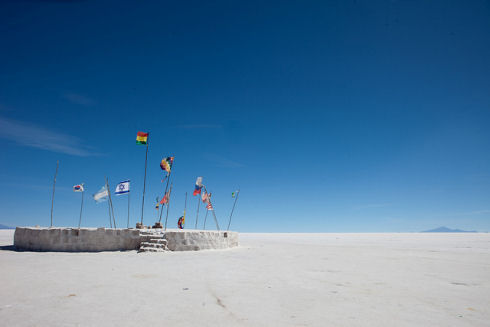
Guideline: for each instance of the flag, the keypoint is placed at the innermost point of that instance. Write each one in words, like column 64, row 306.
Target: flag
column 78, row 188
column 141, row 138
column 122, row 188
column 206, row 197
column 233, row 194
column 198, row 187
column 166, row 164
column 181, row 222
column 165, row 198
column 102, row 195
column 209, row 206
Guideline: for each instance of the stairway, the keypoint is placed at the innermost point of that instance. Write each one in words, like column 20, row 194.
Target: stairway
column 152, row 242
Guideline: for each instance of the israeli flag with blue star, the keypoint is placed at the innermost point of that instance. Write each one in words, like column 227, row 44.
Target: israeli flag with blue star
column 122, row 187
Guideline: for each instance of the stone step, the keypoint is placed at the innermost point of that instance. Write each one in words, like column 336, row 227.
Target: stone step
column 147, row 249
column 145, row 234
column 147, row 238
column 158, row 240
column 152, row 245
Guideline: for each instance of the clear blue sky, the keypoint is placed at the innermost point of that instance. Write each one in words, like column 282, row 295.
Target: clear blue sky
column 331, row 116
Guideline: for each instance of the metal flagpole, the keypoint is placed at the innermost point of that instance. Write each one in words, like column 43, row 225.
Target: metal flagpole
column 198, row 205
column 128, row 208
column 185, row 207
column 54, row 184
column 168, row 205
column 207, row 211
column 110, row 201
column 166, row 188
column 144, row 183
column 215, row 220
column 81, row 207
column 231, row 214
column 158, row 207
column 214, row 214
column 205, row 217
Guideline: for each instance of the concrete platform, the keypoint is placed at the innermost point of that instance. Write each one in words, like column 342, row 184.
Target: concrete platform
column 64, row 239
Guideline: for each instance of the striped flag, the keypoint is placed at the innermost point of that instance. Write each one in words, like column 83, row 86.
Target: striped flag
column 102, row 195
column 206, row 197
column 165, row 198
column 142, row 138
column 198, row 187
column 122, row 188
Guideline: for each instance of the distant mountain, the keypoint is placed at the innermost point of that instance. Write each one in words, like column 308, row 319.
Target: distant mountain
column 444, row 229
column 6, row 227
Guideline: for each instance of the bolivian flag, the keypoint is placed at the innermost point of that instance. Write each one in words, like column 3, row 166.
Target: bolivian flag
column 141, row 138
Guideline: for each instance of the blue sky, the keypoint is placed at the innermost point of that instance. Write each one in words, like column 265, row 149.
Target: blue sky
column 331, row 116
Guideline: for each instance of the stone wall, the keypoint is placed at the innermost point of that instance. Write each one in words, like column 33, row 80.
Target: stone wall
column 76, row 240
column 101, row 239
column 194, row 240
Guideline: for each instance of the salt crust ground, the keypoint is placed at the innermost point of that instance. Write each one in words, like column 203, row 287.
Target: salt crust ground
column 270, row 280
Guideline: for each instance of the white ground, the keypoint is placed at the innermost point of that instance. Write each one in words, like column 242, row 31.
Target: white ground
column 271, row 280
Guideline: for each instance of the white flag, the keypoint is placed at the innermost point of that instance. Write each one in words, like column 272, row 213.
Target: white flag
column 122, row 187
column 102, row 195
column 78, row 188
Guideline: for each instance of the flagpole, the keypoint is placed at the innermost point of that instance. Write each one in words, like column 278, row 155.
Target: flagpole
column 110, row 201
column 215, row 220
column 54, row 184
column 110, row 218
column 128, row 208
column 144, row 183
column 207, row 211
column 158, row 207
column 233, row 209
column 168, row 205
column 166, row 188
column 198, row 205
column 214, row 214
column 205, row 217
column 81, row 207
column 185, row 207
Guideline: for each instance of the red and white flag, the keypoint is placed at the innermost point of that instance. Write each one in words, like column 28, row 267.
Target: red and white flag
column 206, row 197
column 209, row 206
column 164, row 200
column 78, row 188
